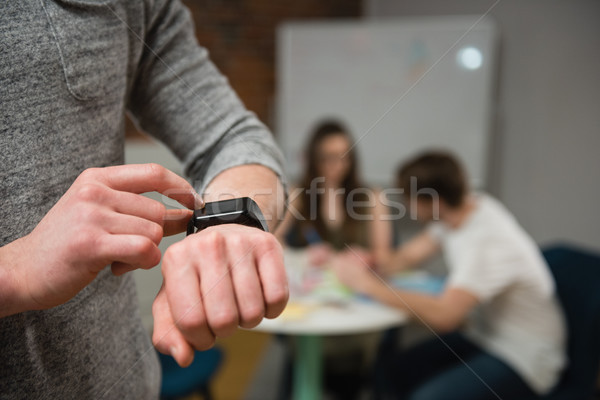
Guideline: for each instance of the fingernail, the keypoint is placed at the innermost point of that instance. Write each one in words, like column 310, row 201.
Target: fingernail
column 198, row 201
column 173, row 351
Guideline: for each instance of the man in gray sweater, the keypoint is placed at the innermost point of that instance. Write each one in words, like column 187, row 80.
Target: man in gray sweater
column 73, row 222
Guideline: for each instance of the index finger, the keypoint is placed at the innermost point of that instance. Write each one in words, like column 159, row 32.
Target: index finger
column 142, row 178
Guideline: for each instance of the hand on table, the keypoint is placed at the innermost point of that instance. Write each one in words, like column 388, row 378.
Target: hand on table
column 353, row 268
column 319, row 254
column 359, row 254
column 214, row 281
column 101, row 220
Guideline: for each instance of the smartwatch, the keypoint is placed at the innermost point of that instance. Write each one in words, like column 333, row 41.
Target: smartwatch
column 243, row 211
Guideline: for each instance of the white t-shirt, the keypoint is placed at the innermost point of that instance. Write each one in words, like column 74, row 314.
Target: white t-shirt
column 519, row 319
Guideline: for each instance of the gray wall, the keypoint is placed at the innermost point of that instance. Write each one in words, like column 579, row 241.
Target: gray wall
column 546, row 157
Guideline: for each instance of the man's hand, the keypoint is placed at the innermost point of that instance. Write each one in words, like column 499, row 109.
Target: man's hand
column 443, row 313
column 214, row 281
column 411, row 254
column 352, row 268
column 319, row 254
column 101, row 220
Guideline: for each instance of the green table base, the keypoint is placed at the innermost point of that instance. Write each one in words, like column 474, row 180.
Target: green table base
column 307, row 368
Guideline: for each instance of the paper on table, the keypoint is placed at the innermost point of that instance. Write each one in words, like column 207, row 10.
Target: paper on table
column 295, row 311
column 419, row 281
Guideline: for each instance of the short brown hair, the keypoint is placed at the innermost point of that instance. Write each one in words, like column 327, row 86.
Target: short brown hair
column 435, row 170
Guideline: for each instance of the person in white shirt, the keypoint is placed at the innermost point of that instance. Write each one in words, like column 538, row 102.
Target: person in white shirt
column 500, row 331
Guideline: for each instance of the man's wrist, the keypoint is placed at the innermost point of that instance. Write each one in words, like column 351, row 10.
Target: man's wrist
column 383, row 293
column 255, row 181
column 371, row 287
column 11, row 298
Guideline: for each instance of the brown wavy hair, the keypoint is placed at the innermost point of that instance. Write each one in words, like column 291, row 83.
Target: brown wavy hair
column 322, row 131
column 438, row 170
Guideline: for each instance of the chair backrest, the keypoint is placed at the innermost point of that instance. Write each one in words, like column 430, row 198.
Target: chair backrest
column 180, row 382
column 577, row 277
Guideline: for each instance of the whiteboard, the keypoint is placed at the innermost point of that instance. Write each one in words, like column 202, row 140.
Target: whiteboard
column 400, row 85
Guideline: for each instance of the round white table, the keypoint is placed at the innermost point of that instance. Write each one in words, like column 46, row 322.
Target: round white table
column 356, row 316
column 309, row 317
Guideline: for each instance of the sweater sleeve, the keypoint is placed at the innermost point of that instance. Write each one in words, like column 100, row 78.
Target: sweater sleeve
column 180, row 97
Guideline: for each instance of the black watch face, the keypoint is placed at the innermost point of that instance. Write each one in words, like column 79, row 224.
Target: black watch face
column 243, row 211
column 223, row 207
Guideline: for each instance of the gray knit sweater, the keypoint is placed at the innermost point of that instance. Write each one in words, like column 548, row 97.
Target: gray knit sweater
column 69, row 71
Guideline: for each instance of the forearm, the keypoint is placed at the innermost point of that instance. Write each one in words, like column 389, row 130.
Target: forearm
column 427, row 309
column 7, row 292
column 190, row 107
column 10, row 299
column 402, row 262
column 255, row 181
column 397, row 262
column 413, row 253
column 381, row 234
column 382, row 258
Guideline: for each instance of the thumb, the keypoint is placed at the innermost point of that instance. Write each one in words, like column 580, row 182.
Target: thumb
column 166, row 337
column 176, row 220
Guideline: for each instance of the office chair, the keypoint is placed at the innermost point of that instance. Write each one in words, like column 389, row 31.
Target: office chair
column 180, row 382
column 577, row 276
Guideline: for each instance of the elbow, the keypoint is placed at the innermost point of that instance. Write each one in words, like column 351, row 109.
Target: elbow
column 445, row 324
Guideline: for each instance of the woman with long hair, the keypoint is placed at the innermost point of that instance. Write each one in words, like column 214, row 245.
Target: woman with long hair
column 334, row 212
column 335, row 217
